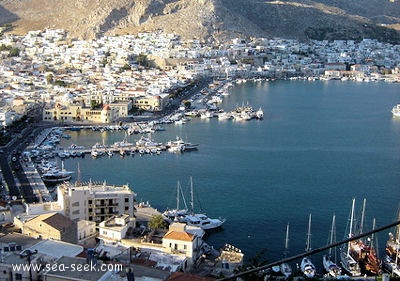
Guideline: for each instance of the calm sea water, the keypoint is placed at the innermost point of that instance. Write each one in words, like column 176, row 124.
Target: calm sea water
column 320, row 145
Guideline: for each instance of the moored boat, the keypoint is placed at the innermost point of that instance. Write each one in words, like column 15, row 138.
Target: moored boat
column 391, row 266
column 393, row 243
column 363, row 250
column 56, row 176
column 346, row 260
column 396, row 110
column 306, row 266
column 330, row 265
column 285, row 268
column 177, row 214
column 189, row 216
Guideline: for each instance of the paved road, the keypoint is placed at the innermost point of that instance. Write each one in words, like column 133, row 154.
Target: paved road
column 11, row 162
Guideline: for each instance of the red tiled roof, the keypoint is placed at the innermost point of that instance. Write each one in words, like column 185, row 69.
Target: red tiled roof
column 175, row 235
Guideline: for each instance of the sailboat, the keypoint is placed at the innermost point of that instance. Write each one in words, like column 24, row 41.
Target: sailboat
column 176, row 214
column 306, row 266
column 346, row 260
column 199, row 219
column 285, row 268
column 363, row 251
column 330, row 265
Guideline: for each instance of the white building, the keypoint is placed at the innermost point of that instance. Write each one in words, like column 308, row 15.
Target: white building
column 115, row 228
column 95, row 202
column 179, row 241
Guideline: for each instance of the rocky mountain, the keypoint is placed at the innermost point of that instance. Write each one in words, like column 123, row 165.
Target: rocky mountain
column 210, row 19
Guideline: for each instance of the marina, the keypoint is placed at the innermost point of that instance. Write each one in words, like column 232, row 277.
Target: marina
column 245, row 165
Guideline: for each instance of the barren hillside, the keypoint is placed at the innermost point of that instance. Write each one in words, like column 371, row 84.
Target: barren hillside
column 210, row 19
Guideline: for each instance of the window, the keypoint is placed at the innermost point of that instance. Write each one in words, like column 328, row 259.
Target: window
column 185, row 247
column 126, row 199
column 75, row 204
column 18, row 276
column 90, row 202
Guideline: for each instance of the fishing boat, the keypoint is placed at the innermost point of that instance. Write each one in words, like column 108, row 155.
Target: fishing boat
column 348, row 263
column 285, row 268
column 396, row 110
column 328, row 261
column 306, row 266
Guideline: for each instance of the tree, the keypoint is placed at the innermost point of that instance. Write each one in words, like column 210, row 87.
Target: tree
column 49, row 78
column 187, row 104
column 14, row 52
column 126, row 66
column 142, row 60
column 157, row 221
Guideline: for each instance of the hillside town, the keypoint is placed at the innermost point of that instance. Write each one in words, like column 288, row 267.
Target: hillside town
column 100, row 226
column 74, row 79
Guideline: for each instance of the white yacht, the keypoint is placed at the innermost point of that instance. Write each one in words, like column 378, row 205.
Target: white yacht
column 346, row 260
column 285, row 268
column 179, row 145
column 260, row 113
column 306, row 266
column 190, row 217
column 177, row 214
column 396, row 110
column 202, row 221
column 329, row 265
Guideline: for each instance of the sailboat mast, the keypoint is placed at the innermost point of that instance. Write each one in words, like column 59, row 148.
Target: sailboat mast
column 177, row 196
column 332, row 236
column 362, row 217
column 287, row 237
column 191, row 194
column 308, row 244
column 351, row 224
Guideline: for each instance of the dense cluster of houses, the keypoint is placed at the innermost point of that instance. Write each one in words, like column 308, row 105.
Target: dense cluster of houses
column 104, row 79
column 98, row 223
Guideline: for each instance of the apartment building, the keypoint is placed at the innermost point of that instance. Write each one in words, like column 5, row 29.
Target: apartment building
column 95, row 202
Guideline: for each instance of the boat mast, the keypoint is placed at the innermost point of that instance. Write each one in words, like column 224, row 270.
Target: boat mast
column 351, row 225
column 286, row 241
column 308, row 244
column 177, row 196
column 361, row 229
column 191, row 194
column 332, row 236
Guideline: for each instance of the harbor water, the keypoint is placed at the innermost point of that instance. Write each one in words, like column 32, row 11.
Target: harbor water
column 320, row 144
